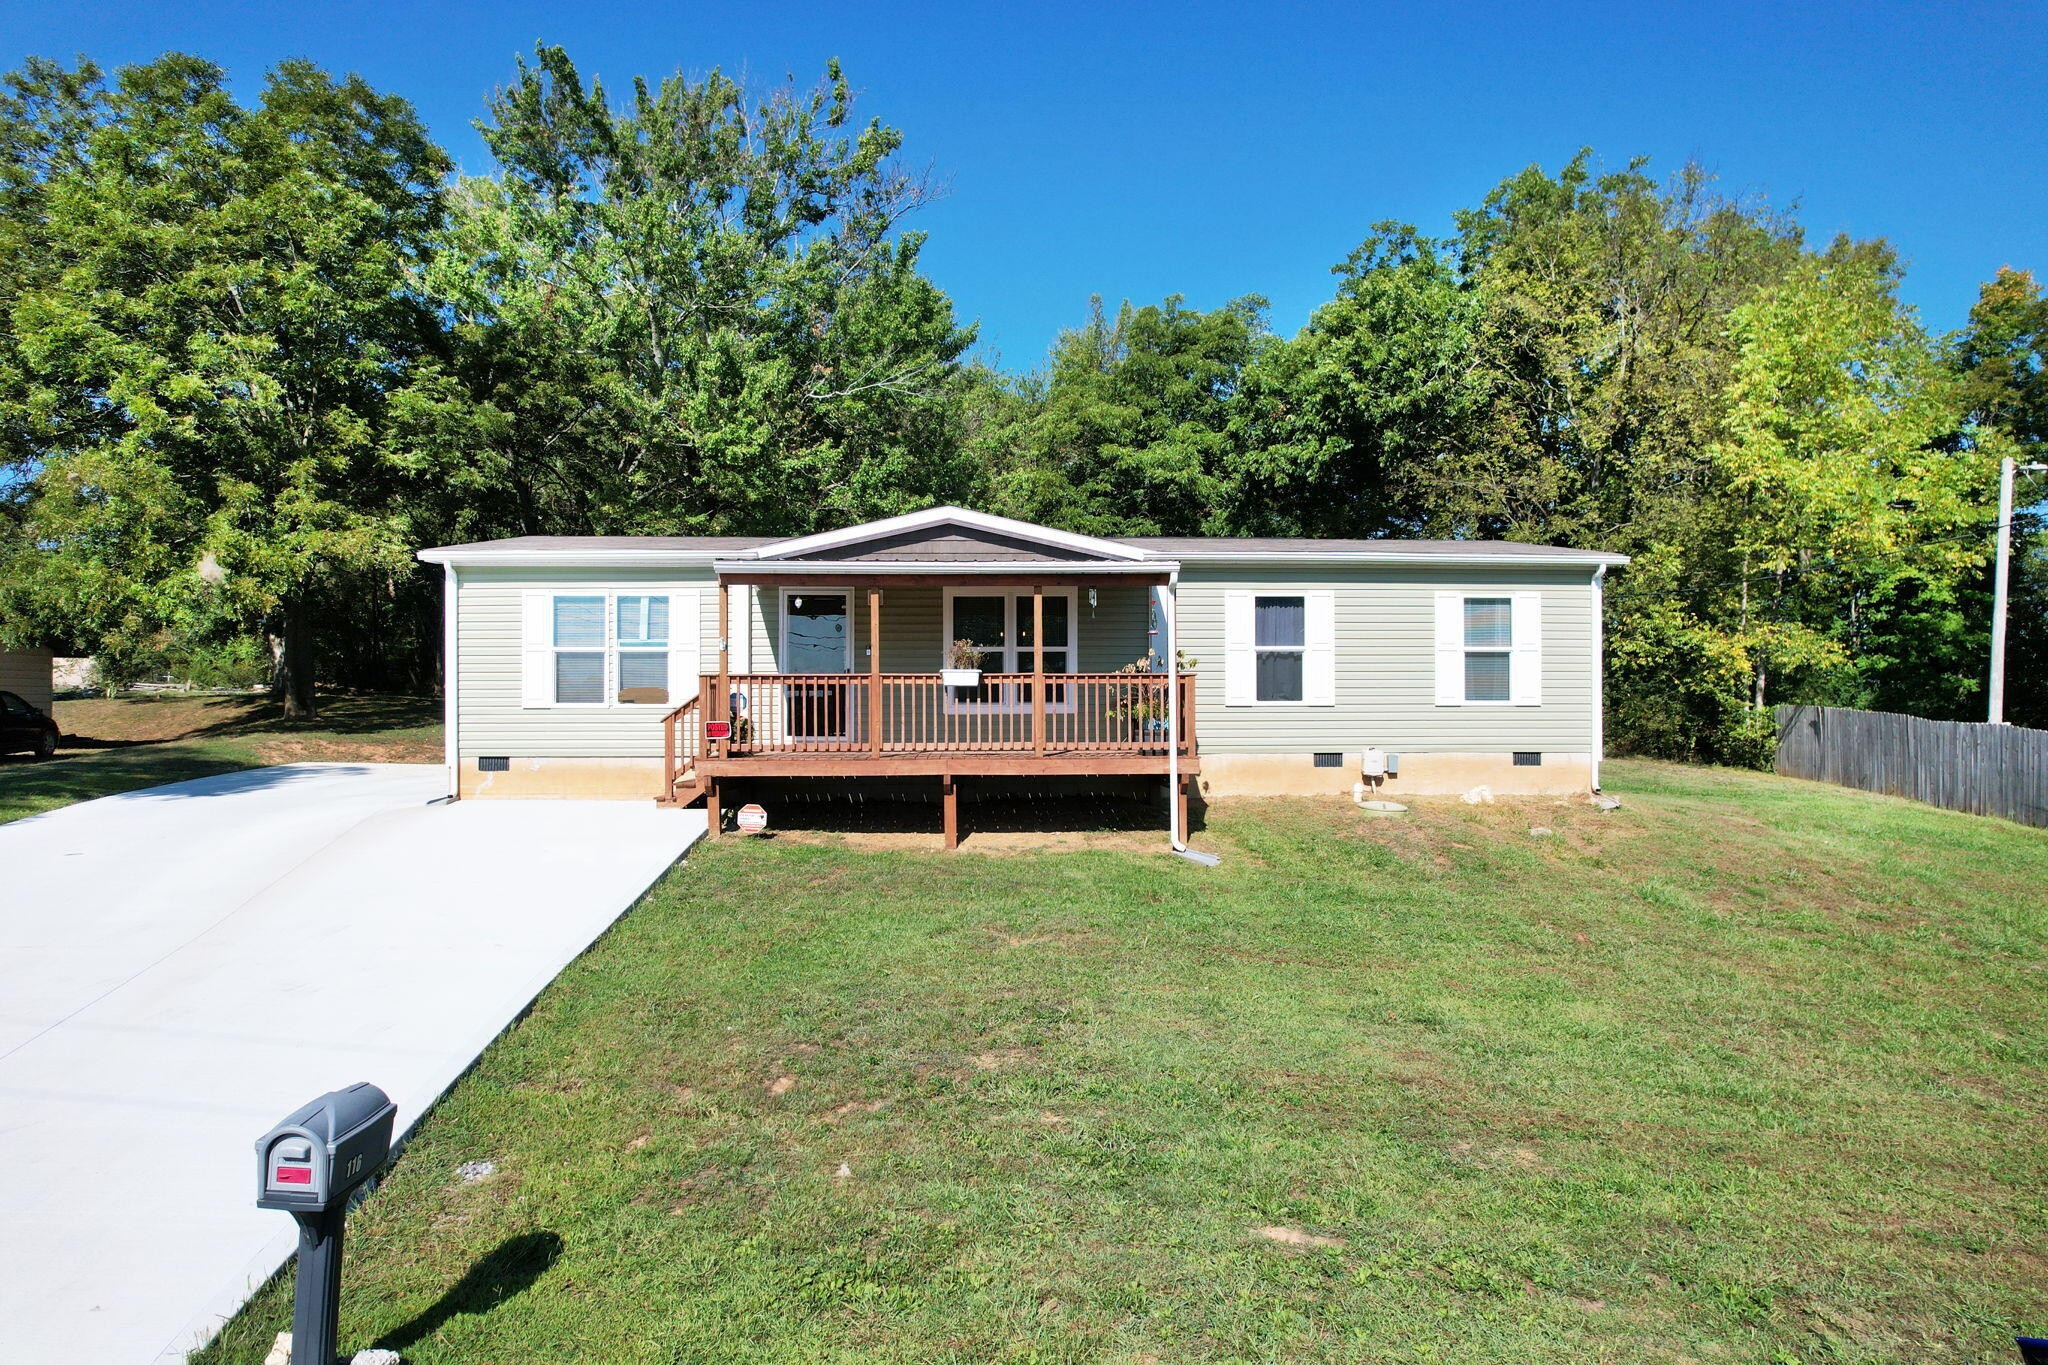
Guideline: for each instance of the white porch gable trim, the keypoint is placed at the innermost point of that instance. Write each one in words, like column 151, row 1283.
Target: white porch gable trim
column 933, row 517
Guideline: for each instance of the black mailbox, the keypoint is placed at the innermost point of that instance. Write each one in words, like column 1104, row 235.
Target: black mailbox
column 307, row 1166
column 324, row 1150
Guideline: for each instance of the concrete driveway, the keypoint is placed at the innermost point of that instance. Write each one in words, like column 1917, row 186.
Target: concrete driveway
column 179, row 967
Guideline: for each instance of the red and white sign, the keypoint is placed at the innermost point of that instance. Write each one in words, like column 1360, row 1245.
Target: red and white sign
column 718, row 729
column 752, row 819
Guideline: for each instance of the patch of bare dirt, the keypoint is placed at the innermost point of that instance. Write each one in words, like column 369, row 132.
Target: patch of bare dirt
column 337, row 750
column 1297, row 1237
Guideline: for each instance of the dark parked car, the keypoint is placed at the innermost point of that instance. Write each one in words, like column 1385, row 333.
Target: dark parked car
column 23, row 729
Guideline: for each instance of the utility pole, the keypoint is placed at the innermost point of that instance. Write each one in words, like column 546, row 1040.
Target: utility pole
column 2000, row 580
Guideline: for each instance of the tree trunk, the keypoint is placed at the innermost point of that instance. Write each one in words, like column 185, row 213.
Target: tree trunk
column 293, row 683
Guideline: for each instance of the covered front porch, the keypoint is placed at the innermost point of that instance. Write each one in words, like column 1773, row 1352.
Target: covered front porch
column 1076, row 672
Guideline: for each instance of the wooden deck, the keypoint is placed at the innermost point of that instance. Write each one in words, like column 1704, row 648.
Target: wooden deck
column 834, row 725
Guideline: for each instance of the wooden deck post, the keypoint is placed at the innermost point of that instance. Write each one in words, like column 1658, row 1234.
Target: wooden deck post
column 949, row 790
column 722, row 703
column 1038, row 670
column 1180, row 809
column 668, row 756
column 711, row 806
column 875, row 671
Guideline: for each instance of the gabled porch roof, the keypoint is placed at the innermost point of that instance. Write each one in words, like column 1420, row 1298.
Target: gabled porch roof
column 944, row 545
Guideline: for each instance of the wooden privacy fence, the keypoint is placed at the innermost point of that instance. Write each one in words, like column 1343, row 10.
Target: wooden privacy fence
column 1982, row 769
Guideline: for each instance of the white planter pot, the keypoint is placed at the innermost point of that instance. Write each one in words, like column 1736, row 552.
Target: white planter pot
column 960, row 677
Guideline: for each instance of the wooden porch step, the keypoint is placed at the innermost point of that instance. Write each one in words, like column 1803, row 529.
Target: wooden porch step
column 688, row 787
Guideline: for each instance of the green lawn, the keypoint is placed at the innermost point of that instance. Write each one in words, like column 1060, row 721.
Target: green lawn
column 1749, row 1070
column 119, row 745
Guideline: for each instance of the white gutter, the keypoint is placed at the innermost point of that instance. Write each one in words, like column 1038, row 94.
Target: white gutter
column 1599, row 683
column 451, row 672
column 550, row 559
column 1566, row 561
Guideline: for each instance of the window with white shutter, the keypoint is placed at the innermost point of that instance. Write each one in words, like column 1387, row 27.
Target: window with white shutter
column 1489, row 649
column 598, row 648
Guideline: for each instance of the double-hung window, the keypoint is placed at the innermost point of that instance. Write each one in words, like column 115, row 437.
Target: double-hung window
column 642, row 647
column 599, row 647
column 580, row 650
column 1489, row 649
column 1489, row 642
column 1279, row 642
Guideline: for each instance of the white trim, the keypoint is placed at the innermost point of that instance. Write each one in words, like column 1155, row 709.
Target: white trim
column 1425, row 557
column 782, row 625
column 1013, row 651
column 1137, row 561
column 451, row 676
column 964, row 568
column 946, row 516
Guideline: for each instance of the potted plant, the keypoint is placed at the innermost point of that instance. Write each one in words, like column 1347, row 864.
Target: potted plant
column 1141, row 704
column 963, row 665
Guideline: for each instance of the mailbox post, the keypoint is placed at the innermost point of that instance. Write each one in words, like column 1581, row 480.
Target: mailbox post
column 307, row 1166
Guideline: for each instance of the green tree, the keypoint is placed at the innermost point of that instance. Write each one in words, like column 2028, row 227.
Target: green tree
column 1341, row 431
column 1127, row 432
column 213, row 307
column 696, row 312
column 1838, row 474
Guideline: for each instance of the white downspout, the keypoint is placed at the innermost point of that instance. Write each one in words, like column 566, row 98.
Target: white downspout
column 1170, row 620
column 1599, row 682
column 450, row 673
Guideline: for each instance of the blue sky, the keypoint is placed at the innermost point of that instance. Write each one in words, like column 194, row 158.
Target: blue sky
column 1214, row 150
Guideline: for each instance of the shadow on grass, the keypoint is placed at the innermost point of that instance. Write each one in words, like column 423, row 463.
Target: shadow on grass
column 505, row 1272
column 30, row 789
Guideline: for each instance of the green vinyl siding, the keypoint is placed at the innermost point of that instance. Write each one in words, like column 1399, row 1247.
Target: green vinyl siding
column 492, row 719
column 1386, row 662
column 1384, row 658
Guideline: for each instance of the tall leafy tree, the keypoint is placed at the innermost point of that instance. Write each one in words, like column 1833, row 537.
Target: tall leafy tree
column 1840, row 481
column 215, row 306
column 692, row 311
column 1345, row 429
column 1130, row 431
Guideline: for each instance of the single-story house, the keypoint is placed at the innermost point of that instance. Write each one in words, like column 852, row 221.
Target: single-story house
column 665, row 666
column 26, row 673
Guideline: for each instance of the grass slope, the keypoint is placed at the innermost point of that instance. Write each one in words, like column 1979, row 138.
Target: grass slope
column 1750, row 1070
column 119, row 745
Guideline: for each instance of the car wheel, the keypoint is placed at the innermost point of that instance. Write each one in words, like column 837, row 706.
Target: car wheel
column 46, row 745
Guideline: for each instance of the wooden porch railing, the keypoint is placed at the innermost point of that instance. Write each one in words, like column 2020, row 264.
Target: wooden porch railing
column 840, row 713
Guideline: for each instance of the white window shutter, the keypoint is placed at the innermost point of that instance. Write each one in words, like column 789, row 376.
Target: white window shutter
column 739, row 607
column 684, row 616
column 537, row 649
column 1319, row 661
column 1240, row 669
column 1525, row 662
column 1450, row 649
